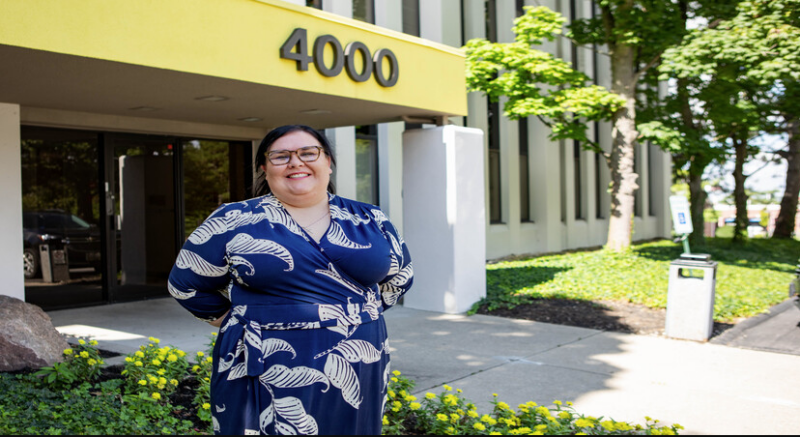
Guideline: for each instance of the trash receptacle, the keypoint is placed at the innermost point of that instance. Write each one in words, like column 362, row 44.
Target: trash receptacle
column 53, row 262
column 690, row 297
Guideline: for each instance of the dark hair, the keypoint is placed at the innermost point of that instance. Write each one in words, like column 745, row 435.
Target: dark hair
column 278, row 132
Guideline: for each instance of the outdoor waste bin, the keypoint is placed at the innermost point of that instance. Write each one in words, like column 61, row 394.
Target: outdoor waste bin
column 690, row 297
column 53, row 261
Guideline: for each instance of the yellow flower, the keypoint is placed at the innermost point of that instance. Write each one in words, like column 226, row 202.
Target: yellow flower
column 142, row 382
column 570, row 403
column 391, row 394
column 206, row 406
column 200, row 354
column 156, row 395
column 667, row 431
column 543, row 411
column 91, row 362
column 156, row 362
column 395, row 379
column 139, row 354
column 209, row 359
column 81, row 342
column 161, row 386
column 564, row 415
column 67, row 351
column 84, row 354
column 396, row 373
column 459, row 390
column 441, row 417
column 479, row 426
column 214, row 334
column 495, row 433
column 622, row 426
column 128, row 359
column 584, row 423
column 429, row 395
column 397, row 404
column 472, row 413
column 454, row 417
column 206, row 380
column 172, row 358
column 162, row 380
column 154, row 340
column 447, row 387
column 608, row 425
column 450, row 431
column 174, row 382
column 559, row 403
column 410, row 398
column 161, row 371
column 385, row 421
column 540, row 427
column 414, row 406
column 93, row 343
column 195, row 368
column 580, row 433
column 180, row 353
column 677, row 426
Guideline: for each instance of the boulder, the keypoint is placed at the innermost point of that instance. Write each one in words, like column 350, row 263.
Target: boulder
column 28, row 338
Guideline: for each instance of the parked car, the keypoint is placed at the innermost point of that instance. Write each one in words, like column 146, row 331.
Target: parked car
column 62, row 231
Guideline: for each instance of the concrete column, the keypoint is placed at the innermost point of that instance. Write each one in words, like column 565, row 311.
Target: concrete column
column 11, row 198
column 338, row 7
column 440, row 21
column 444, row 217
column 343, row 140
column 390, row 171
column 389, row 14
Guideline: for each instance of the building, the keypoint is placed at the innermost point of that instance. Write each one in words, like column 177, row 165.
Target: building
column 123, row 124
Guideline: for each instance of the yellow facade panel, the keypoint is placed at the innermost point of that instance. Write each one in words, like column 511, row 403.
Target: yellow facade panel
column 235, row 39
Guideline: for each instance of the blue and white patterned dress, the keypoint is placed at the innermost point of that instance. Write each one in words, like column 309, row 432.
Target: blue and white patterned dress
column 304, row 349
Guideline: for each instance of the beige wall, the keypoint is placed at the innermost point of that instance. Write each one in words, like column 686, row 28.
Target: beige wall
column 11, row 199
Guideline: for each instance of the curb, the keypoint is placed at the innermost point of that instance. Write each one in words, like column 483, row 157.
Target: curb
column 732, row 334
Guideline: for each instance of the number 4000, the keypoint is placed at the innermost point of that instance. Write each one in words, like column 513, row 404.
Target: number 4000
column 342, row 59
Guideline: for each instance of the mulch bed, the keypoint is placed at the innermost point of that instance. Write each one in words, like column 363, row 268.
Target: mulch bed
column 601, row 315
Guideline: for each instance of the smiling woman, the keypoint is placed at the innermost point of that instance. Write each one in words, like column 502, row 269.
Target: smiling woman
column 307, row 276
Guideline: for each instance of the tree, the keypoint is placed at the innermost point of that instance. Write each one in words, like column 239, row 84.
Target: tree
column 756, row 57
column 635, row 34
column 680, row 123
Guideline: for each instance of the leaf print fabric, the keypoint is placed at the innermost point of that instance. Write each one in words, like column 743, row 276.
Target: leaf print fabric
column 304, row 348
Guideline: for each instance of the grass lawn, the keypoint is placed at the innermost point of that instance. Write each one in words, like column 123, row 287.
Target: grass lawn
column 750, row 278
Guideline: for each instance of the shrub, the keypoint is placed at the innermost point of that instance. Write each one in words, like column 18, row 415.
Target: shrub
column 81, row 363
column 155, row 371
column 450, row 414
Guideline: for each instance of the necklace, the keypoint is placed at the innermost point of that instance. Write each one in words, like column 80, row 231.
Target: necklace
column 307, row 227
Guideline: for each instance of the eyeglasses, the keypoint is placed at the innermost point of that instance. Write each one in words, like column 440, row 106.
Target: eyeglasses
column 305, row 154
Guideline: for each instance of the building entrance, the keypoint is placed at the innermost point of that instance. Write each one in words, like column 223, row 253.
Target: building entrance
column 105, row 214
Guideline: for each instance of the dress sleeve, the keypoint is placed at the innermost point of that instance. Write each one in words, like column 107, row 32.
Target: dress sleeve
column 199, row 278
column 401, row 273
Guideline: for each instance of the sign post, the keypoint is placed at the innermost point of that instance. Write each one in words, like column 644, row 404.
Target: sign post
column 681, row 219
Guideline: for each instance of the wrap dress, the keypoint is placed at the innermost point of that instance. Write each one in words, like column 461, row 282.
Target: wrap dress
column 304, row 349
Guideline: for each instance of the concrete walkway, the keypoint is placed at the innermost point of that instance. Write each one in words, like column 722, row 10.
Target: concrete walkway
column 707, row 388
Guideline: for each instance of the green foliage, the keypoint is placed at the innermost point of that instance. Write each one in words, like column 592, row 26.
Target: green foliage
column 155, row 371
column 537, row 83
column 82, row 363
column 750, row 278
column 449, row 413
column 202, row 371
column 44, row 404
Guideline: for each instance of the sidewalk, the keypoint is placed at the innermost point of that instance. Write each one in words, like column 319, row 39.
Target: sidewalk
column 707, row 388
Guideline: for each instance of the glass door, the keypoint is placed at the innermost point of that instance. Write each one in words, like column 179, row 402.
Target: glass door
column 141, row 215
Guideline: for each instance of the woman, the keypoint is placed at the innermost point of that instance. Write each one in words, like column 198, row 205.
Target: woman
column 297, row 279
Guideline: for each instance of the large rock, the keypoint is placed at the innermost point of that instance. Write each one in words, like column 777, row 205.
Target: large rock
column 28, row 338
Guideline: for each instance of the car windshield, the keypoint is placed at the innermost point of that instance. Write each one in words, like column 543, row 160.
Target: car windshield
column 63, row 221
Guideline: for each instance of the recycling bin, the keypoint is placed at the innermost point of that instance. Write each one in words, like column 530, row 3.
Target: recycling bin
column 53, row 262
column 690, row 297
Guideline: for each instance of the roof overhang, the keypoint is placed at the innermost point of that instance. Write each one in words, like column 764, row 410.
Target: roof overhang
column 158, row 59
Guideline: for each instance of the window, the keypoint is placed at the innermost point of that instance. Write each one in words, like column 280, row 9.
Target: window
column 524, row 173
column 367, row 164
column 364, row 10
column 411, row 17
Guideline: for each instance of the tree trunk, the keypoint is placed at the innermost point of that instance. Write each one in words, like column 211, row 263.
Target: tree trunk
column 624, row 134
column 697, row 202
column 739, row 195
column 784, row 224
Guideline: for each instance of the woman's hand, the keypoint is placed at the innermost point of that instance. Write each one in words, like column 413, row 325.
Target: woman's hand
column 218, row 322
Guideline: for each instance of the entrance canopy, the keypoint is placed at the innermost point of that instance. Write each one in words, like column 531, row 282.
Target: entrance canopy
column 258, row 63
